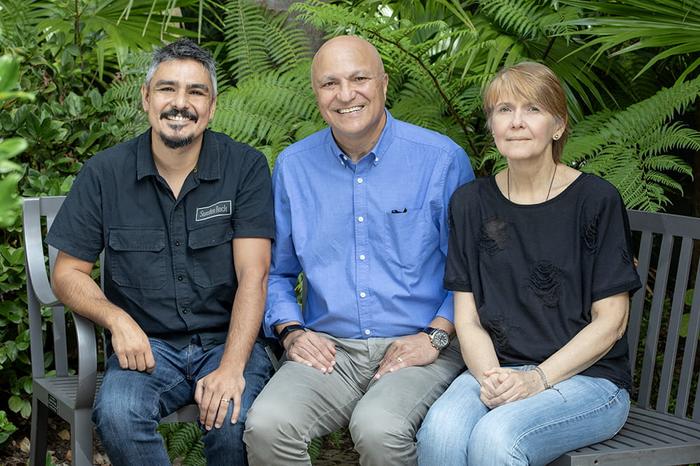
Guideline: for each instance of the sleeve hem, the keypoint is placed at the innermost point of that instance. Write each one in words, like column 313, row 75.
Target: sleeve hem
column 286, row 312
column 630, row 286
column 71, row 249
column 457, row 286
column 260, row 233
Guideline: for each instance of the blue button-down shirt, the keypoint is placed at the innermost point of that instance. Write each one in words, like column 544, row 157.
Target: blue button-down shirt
column 370, row 237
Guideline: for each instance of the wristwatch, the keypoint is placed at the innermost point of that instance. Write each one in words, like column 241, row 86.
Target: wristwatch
column 438, row 337
column 287, row 330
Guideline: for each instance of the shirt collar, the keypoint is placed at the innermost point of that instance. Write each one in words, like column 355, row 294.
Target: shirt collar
column 379, row 149
column 208, row 165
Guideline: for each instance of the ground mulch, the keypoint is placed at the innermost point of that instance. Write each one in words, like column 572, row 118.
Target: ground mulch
column 16, row 451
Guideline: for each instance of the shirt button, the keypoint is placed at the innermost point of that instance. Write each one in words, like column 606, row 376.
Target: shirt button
column 368, row 331
column 362, row 257
column 363, row 294
column 360, row 219
column 360, row 180
column 180, row 278
column 185, row 310
column 177, row 243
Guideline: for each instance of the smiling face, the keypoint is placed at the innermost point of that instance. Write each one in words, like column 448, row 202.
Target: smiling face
column 179, row 101
column 350, row 84
column 522, row 129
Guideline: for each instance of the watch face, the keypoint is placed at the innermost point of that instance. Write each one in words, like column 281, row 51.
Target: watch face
column 439, row 339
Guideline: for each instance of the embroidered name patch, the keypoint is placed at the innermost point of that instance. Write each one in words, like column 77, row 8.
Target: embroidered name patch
column 218, row 209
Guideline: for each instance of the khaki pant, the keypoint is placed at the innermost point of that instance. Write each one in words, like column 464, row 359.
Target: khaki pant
column 300, row 403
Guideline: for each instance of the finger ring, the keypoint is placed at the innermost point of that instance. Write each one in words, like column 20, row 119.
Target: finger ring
column 223, row 400
column 399, row 359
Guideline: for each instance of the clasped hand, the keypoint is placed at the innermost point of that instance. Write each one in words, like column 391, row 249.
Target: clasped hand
column 501, row 385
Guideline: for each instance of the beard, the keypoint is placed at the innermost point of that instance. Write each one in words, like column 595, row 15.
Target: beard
column 178, row 141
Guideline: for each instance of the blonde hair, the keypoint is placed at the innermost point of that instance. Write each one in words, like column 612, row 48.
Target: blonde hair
column 535, row 83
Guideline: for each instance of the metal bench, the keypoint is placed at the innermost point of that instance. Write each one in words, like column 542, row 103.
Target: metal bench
column 70, row 394
column 662, row 429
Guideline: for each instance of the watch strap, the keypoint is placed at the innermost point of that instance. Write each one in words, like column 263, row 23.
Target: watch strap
column 289, row 329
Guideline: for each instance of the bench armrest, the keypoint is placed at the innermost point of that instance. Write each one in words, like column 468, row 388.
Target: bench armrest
column 87, row 361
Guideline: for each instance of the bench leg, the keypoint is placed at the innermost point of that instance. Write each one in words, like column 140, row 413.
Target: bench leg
column 40, row 426
column 81, row 437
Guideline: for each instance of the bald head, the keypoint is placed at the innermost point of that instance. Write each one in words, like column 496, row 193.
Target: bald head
column 347, row 46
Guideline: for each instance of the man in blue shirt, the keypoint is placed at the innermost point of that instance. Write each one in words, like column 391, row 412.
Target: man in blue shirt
column 184, row 216
column 361, row 209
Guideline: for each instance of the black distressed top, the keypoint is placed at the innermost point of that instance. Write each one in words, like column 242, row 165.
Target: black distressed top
column 535, row 270
column 168, row 262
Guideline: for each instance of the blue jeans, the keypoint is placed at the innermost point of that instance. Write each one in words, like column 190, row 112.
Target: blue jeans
column 460, row 430
column 130, row 404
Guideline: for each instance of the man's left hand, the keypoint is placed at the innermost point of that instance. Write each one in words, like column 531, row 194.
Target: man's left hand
column 411, row 350
column 214, row 393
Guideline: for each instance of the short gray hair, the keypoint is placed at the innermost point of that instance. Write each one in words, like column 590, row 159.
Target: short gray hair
column 183, row 49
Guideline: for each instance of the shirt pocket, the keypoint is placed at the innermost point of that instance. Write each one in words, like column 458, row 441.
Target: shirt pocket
column 212, row 254
column 137, row 258
column 406, row 236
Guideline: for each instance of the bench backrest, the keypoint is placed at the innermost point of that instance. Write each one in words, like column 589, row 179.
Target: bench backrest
column 663, row 329
column 38, row 215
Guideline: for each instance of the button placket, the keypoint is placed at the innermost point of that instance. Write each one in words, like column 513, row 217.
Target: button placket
column 362, row 225
column 178, row 223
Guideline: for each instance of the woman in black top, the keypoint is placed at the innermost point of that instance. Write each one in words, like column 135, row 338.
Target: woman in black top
column 540, row 264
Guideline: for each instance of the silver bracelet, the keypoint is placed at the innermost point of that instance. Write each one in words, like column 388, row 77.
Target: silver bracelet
column 543, row 377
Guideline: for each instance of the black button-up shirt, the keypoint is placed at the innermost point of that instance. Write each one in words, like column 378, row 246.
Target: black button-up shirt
column 168, row 262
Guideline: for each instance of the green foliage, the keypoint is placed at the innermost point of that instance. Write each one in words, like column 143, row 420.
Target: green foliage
column 6, row 428
column 259, row 41
column 661, row 29
column 631, row 147
column 184, row 441
column 94, row 33
column 10, row 147
column 270, row 111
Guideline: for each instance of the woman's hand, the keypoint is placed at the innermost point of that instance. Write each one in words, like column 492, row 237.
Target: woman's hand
column 500, row 386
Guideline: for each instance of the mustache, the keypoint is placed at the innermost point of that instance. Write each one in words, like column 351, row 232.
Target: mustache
column 178, row 112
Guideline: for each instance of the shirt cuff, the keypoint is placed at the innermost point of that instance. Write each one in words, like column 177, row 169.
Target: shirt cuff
column 446, row 309
column 280, row 313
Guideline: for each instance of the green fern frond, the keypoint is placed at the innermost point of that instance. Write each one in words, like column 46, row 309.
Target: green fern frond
column 635, row 121
column 195, row 456
column 314, row 449
column 674, row 136
column 182, row 439
column 260, row 41
column 328, row 17
column 668, row 163
column 520, row 17
column 269, row 111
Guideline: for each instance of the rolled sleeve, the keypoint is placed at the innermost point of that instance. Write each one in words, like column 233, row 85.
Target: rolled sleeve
column 282, row 303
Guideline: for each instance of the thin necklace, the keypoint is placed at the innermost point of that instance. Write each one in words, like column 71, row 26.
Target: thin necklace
column 551, row 182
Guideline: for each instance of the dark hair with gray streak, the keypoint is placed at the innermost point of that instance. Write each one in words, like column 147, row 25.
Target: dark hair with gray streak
column 183, row 49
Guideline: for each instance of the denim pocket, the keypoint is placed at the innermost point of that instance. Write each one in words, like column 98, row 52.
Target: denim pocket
column 137, row 258
column 212, row 253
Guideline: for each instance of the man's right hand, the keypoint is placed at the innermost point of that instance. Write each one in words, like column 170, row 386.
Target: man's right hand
column 131, row 345
column 309, row 348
